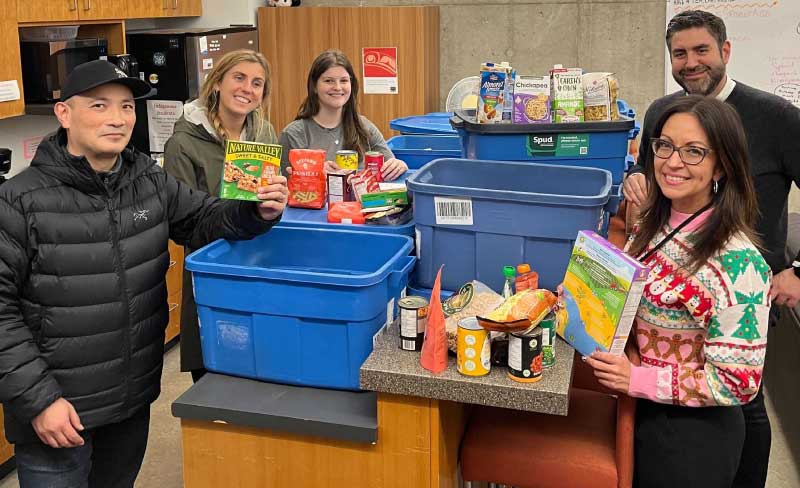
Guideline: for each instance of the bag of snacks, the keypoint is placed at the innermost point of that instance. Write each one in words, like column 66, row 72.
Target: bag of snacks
column 345, row 213
column 600, row 92
column 471, row 300
column 307, row 183
column 521, row 311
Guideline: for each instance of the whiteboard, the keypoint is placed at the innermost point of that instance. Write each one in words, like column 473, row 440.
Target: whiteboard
column 765, row 42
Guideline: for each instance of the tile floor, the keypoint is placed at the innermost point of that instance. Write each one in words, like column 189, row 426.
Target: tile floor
column 162, row 464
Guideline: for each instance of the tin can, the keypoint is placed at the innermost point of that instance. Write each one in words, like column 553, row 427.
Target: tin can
column 525, row 356
column 347, row 159
column 473, row 348
column 413, row 320
column 548, row 325
column 373, row 161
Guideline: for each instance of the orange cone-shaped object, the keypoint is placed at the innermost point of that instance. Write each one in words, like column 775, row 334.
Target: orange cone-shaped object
column 434, row 348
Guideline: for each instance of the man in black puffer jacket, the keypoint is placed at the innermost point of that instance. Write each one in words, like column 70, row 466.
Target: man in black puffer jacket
column 83, row 309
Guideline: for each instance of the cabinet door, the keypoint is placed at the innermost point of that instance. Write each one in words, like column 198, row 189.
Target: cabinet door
column 10, row 66
column 101, row 9
column 47, row 10
column 141, row 9
column 6, row 449
column 186, row 8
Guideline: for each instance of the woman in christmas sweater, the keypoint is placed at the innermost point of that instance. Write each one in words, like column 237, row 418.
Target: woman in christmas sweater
column 701, row 327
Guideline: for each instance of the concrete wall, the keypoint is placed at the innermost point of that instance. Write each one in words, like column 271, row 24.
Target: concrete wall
column 622, row 36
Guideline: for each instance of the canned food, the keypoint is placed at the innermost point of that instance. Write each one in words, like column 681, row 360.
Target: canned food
column 548, row 325
column 473, row 348
column 347, row 159
column 413, row 320
column 373, row 161
column 525, row 356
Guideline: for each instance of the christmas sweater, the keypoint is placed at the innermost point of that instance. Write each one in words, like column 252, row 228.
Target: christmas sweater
column 702, row 337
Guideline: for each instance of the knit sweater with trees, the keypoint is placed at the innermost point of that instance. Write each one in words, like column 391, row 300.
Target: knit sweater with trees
column 702, row 337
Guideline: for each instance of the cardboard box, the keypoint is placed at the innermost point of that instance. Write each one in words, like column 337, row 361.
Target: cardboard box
column 247, row 166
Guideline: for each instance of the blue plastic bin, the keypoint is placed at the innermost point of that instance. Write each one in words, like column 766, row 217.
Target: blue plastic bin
column 601, row 145
column 297, row 306
column 432, row 123
column 416, row 290
column 521, row 213
column 418, row 150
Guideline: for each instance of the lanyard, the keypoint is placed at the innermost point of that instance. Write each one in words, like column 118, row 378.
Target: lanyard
column 674, row 231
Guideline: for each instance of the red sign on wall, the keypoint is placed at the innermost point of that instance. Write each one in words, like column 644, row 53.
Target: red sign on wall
column 380, row 70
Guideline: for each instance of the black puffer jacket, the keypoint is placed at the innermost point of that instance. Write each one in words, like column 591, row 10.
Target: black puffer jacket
column 83, row 304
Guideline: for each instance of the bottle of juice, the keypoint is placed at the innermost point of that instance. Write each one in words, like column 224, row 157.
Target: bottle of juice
column 526, row 279
column 508, row 287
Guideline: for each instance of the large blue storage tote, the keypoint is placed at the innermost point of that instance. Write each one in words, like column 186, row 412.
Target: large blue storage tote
column 432, row 123
column 592, row 144
column 477, row 216
column 297, row 306
column 418, row 150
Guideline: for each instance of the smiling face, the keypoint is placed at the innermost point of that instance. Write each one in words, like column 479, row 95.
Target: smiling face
column 698, row 64
column 333, row 88
column 242, row 89
column 687, row 186
column 99, row 122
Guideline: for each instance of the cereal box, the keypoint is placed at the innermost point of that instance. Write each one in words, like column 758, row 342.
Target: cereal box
column 567, row 93
column 600, row 96
column 602, row 290
column 532, row 100
column 492, row 94
column 246, row 165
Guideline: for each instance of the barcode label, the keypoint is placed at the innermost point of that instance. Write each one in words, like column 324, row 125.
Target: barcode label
column 453, row 211
column 408, row 345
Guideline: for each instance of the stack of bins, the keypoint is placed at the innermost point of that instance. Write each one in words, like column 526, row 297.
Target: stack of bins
column 474, row 217
column 298, row 306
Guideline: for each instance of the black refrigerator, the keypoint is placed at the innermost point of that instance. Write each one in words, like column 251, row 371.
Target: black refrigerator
column 175, row 62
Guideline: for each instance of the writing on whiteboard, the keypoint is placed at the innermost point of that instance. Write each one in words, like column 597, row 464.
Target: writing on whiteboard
column 789, row 91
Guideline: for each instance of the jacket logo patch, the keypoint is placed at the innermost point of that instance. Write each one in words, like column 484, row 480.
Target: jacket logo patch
column 140, row 215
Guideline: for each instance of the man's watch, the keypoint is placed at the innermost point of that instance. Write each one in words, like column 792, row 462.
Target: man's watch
column 796, row 267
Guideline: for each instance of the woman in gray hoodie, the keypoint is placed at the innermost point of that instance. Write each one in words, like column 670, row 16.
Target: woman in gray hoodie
column 233, row 105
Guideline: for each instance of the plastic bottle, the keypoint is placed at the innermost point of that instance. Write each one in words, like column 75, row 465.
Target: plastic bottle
column 521, row 282
column 508, row 287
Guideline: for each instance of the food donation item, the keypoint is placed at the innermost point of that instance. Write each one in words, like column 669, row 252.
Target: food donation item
column 525, row 356
column 522, row 311
column 307, row 182
column 567, row 88
column 532, row 100
column 347, row 159
column 474, row 348
column 472, row 299
column 413, row 320
column 600, row 91
column 247, row 166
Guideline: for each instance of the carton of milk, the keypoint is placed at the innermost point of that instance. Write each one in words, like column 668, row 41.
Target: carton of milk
column 602, row 290
column 567, row 88
column 491, row 97
column 532, row 100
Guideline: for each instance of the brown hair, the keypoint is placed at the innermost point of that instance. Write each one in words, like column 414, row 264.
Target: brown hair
column 689, row 19
column 354, row 135
column 735, row 209
column 209, row 95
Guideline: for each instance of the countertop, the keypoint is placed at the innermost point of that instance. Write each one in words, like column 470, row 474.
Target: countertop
column 390, row 369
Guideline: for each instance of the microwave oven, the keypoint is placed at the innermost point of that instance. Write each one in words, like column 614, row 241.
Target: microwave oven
column 46, row 65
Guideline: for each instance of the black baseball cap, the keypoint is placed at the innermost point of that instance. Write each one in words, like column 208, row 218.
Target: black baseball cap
column 99, row 72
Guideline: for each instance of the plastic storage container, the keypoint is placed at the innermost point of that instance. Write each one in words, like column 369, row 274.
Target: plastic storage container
column 418, row 150
column 477, row 216
column 298, row 306
column 601, row 145
column 432, row 123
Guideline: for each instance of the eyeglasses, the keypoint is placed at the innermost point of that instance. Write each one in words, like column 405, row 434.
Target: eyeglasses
column 691, row 155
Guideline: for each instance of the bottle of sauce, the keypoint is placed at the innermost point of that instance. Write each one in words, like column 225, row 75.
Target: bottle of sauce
column 526, row 279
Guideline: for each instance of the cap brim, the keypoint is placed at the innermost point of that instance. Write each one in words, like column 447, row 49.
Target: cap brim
column 139, row 88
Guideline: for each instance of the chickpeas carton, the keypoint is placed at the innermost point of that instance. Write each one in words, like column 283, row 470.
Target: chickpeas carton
column 601, row 293
column 247, row 166
column 532, row 100
column 567, row 92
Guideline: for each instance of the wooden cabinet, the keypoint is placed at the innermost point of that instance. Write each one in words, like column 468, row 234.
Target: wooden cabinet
column 10, row 66
column 174, row 290
column 70, row 10
column 6, row 449
column 163, row 8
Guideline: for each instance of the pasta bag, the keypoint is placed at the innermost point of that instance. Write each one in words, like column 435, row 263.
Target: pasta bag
column 434, row 347
column 307, row 185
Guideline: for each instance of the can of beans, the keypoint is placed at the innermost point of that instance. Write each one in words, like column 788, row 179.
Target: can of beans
column 347, row 159
column 548, row 325
column 373, row 161
column 473, row 348
column 525, row 356
column 413, row 320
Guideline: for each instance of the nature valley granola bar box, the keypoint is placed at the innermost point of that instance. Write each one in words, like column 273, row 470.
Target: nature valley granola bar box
column 601, row 292
column 248, row 165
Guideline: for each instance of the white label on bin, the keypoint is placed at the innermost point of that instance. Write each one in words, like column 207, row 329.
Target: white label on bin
column 418, row 243
column 377, row 334
column 453, row 211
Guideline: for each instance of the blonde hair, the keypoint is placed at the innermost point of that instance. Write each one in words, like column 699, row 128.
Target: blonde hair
column 209, row 95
